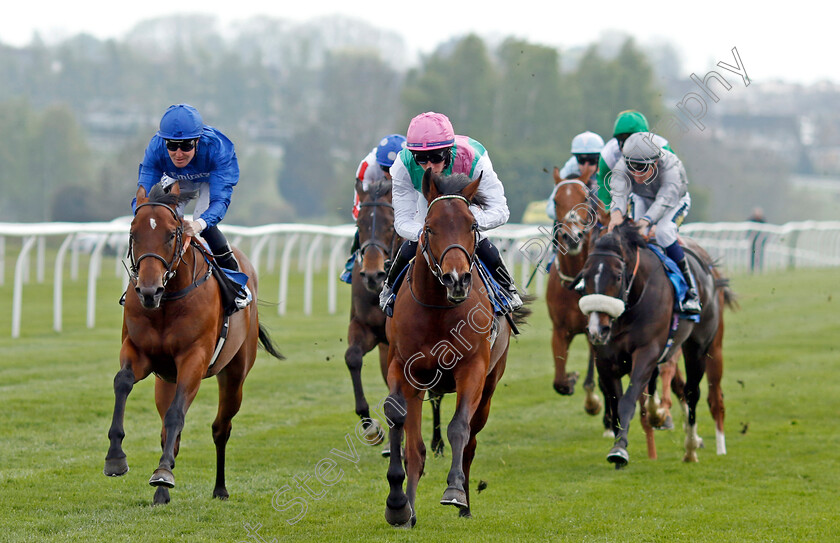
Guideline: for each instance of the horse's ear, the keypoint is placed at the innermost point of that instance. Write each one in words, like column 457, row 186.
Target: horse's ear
column 175, row 188
column 429, row 186
column 141, row 195
column 470, row 190
column 359, row 189
column 556, row 175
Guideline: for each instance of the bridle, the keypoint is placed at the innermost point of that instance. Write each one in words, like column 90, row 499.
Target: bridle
column 434, row 262
column 625, row 292
column 571, row 218
column 171, row 265
column 388, row 251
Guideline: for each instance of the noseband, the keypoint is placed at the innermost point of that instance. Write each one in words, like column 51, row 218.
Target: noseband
column 431, row 260
column 170, row 265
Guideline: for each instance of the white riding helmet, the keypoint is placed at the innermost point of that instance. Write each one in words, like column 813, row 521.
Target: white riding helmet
column 587, row 143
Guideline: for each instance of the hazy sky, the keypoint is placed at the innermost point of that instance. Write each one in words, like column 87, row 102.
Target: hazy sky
column 793, row 45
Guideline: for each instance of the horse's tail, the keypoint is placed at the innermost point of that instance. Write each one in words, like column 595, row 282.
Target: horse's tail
column 520, row 316
column 729, row 296
column 268, row 345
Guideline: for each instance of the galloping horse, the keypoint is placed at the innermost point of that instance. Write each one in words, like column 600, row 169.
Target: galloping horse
column 440, row 338
column 572, row 229
column 172, row 328
column 367, row 321
column 630, row 300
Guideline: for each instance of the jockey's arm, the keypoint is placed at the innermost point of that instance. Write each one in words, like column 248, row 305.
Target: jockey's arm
column 495, row 212
column 405, row 197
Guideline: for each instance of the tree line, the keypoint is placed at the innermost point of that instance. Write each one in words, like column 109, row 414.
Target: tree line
column 75, row 118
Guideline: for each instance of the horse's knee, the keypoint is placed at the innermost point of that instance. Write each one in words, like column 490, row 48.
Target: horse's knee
column 353, row 358
column 124, row 381
column 395, row 409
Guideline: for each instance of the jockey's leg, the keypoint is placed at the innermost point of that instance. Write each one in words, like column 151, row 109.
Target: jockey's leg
column 395, row 275
column 220, row 248
column 347, row 274
column 691, row 303
column 225, row 259
column 491, row 257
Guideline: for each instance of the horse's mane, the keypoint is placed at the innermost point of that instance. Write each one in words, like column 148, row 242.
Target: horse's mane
column 626, row 236
column 378, row 189
column 159, row 195
column 455, row 183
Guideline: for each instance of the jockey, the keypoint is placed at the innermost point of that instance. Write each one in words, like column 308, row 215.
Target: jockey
column 583, row 165
column 628, row 122
column 650, row 182
column 198, row 157
column 432, row 144
column 374, row 167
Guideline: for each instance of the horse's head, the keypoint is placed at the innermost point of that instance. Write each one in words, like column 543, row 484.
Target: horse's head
column 376, row 232
column 575, row 217
column 607, row 278
column 156, row 242
column 450, row 234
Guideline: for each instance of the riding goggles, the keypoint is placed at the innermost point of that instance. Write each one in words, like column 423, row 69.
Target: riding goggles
column 184, row 145
column 435, row 157
column 587, row 158
column 639, row 166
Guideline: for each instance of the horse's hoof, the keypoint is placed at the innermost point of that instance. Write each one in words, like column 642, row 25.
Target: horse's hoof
column 593, row 407
column 373, row 433
column 619, row 457
column 114, row 467
column 609, row 433
column 464, row 512
column 161, row 496
column 454, row 496
column 667, row 424
column 438, row 449
column 690, row 457
column 162, row 477
column 221, row 493
column 567, row 388
column 401, row 518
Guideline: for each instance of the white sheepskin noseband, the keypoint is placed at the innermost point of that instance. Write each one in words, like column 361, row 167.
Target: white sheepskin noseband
column 603, row 304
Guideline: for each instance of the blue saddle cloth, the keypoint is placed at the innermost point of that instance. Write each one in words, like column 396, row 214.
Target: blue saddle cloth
column 677, row 280
column 498, row 295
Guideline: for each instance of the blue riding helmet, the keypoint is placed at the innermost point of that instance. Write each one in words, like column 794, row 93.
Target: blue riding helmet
column 388, row 149
column 181, row 122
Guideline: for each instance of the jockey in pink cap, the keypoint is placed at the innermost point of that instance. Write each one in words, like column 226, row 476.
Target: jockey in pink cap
column 431, row 143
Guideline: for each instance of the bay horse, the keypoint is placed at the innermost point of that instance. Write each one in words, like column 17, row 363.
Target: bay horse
column 577, row 222
column 440, row 341
column 629, row 301
column 172, row 328
column 377, row 243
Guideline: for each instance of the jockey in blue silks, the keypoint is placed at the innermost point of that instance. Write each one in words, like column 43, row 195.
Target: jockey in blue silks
column 200, row 158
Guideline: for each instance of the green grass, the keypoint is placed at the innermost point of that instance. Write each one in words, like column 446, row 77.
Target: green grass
column 542, row 457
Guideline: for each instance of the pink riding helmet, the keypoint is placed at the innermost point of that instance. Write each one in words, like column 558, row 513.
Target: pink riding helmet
column 430, row 131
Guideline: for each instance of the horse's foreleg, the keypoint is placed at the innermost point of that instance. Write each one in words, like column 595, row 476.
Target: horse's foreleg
column 360, row 341
column 415, row 449
column 564, row 383
column 130, row 372
column 398, row 511
column 469, row 386
column 644, row 364
column 612, row 392
column 189, row 379
column 592, row 404
column 437, row 439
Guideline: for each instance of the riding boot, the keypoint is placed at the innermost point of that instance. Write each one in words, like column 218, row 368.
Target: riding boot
column 492, row 259
column 395, row 276
column 223, row 255
column 347, row 274
column 691, row 303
